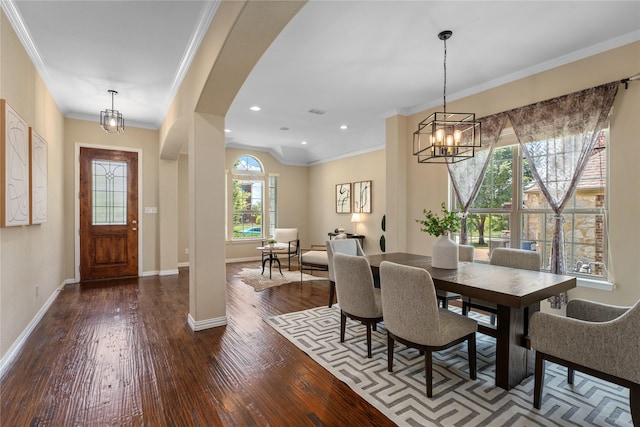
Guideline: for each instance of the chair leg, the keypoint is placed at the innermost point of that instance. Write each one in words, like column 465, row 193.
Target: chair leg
column 471, row 347
column 428, row 371
column 634, row 404
column 445, row 303
column 343, row 325
column 465, row 308
column 538, row 383
column 332, row 292
column 369, row 340
column 389, row 353
column 493, row 319
column 570, row 375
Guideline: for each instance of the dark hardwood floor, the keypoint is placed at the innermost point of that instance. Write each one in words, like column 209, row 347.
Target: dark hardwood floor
column 120, row 353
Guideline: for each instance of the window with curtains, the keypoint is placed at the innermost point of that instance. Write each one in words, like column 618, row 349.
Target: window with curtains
column 510, row 210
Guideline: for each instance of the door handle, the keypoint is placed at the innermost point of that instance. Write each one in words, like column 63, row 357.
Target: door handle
column 134, row 229
column 134, row 222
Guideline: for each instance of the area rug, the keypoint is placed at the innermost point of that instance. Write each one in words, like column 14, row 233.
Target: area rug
column 260, row 282
column 457, row 401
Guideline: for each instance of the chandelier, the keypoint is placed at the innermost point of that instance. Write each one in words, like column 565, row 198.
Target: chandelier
column 111, row 120
column 445, row 137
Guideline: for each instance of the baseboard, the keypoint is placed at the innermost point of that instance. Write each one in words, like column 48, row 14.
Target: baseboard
column 183, row 264
column 19, row 343
column 206, row 324
column 150, row 273
column 232, row 260
column 168, row 272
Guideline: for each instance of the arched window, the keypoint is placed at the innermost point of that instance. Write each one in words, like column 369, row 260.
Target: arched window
column 247, row 198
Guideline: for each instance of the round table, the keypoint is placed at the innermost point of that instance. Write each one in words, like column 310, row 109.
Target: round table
column 271, row 258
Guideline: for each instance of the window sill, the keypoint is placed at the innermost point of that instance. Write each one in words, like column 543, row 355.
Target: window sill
column 595, row 284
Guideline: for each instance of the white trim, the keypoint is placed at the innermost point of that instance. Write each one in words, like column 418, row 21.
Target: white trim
column 183, row 264
column 76, row 202
column 232, row 260
column 168, row 272
column 149, row 273
column 206, row 324
column 595, row 284
column 17, row 345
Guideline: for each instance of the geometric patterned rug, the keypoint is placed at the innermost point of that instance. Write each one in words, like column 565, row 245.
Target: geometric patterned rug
column 457, row 401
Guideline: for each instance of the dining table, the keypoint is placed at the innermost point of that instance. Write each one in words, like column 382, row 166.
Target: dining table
column 517, row 294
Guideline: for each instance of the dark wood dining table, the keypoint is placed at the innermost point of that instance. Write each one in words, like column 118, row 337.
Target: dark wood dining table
column 517, row 294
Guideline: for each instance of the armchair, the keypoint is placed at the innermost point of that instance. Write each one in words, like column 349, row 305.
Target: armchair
column 597, row 339
column 287, row 243
column 314, row 258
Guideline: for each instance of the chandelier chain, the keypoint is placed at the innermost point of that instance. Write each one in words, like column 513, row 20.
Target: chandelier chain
column 444, row 90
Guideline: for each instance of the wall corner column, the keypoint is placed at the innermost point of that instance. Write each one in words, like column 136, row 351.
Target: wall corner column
column 396, row 195
column 207, row 269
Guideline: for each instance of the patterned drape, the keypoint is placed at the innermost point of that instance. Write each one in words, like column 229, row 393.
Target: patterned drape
column 467, row 176
column 557, row 136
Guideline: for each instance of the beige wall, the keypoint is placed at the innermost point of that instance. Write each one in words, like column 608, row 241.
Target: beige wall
column 293, row 210
column 89, row 133
column 183, row 208
column 427, row 184
column 322, row 202
column 32, row 255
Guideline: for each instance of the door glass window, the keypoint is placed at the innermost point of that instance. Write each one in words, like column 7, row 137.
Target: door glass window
column 109, row 192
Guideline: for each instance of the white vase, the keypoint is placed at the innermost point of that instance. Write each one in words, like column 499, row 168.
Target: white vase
column 444, row 253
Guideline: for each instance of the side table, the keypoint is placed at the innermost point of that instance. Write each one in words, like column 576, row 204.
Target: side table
column 271, row 258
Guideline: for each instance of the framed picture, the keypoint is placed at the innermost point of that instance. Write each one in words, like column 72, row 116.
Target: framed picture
column 362, row 197
column 343, row 198
column 38, row 164
column 14, row 165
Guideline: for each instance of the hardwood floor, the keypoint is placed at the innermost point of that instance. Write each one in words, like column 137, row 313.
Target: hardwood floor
column 120, row 352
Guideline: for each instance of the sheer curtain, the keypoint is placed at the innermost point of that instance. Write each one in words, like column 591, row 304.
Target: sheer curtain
column 557, row 136
column 467, row 176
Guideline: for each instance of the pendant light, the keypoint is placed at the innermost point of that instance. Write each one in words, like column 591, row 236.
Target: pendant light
column 111, row 120
column 446, row 137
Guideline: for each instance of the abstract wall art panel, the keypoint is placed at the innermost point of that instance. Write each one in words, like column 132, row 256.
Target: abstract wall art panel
column 14, row 149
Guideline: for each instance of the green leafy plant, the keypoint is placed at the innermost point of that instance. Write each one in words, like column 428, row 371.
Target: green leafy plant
column 271, row 241
column 437, row 225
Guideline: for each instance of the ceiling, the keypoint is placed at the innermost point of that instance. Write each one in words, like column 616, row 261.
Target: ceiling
column 355, row 62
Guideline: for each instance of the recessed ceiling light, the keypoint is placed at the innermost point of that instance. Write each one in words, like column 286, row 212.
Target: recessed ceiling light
column 344, row 127
column 303, row 142
column 255, row 108
column 284, row 128
column 227, row 131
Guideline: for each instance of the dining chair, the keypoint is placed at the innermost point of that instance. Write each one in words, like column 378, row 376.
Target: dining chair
column 359, row 300
column 506, row 257
column 611, row 336
column 466, row 253
column 345, row 246
column 412, row 317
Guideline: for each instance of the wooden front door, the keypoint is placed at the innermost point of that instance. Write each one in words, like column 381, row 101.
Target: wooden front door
column 108, row 214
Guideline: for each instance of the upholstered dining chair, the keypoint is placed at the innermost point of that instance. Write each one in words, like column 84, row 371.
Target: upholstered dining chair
column 359, row 300
column 506, row 257
column 412, row 317
column 287, row 243
column 466, row 253
column 598, row 339
column 345, row 246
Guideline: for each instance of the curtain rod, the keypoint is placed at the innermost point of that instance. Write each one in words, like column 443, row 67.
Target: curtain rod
column 629, row 79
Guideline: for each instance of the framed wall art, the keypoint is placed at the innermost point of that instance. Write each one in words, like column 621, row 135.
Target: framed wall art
column 362, row 197
column 343, row 198
column 14, row 149
column 38, row 164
